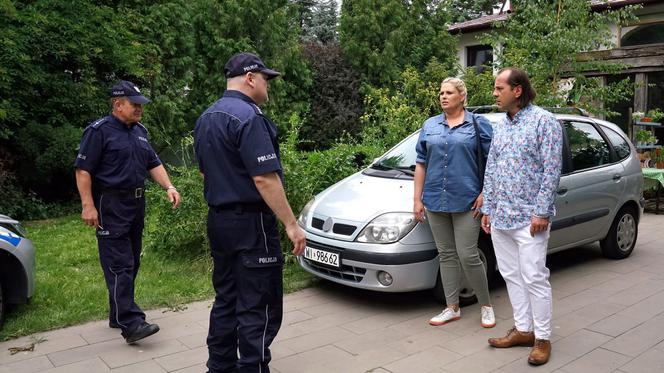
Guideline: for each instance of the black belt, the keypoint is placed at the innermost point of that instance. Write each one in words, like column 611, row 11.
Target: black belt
column 243, row 207
column 124, row 193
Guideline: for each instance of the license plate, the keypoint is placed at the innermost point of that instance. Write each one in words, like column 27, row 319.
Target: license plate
column 324, row 257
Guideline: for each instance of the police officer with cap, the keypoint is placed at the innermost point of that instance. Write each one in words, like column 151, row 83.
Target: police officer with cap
column 238, row 155
column 114, row 159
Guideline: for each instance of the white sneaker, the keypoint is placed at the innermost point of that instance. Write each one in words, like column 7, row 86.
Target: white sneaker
column 488, row 317
column 446, row 316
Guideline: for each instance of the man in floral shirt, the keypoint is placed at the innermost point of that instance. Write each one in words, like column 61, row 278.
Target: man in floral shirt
column 521, row 179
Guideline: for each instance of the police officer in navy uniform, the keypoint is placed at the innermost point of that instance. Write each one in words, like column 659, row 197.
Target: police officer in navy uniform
column 238, row 155
column 114, row 159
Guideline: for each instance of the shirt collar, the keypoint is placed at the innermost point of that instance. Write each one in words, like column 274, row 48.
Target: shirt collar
column 519, row 114
column 237, row 94
column 118, row 123
column 467, row 117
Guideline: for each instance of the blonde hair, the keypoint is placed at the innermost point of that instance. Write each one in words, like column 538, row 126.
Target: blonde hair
column 459, row 85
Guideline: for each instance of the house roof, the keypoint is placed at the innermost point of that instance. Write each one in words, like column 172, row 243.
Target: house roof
column 485, row 22
column 481, row 23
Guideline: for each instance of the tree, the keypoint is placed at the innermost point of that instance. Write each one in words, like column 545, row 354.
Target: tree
column 50, row 87
column 336, row 101
column 383, row 37
column 464, row 10
column 303, row 11
column 222, row 29
column 322, row 25
column 545, row 37
column 58, row 59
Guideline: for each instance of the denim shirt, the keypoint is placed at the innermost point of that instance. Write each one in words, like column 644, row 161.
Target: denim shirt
column 523, row 169
column 452, row 180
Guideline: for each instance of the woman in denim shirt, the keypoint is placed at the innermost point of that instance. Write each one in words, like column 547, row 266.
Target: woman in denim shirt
column 448, row 189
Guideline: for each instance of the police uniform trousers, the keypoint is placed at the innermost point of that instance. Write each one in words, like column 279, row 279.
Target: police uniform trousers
column 119, row 237
column 247, row 280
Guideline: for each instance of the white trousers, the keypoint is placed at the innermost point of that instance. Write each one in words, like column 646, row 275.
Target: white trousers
column 522, row 263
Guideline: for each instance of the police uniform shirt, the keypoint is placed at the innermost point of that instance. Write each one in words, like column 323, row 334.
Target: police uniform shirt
column 116, row 155
column 233, row 143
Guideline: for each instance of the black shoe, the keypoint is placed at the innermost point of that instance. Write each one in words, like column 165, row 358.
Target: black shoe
column 141, row 331
column 113, row 325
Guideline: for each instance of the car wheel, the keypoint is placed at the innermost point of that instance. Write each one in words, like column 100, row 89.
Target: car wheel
column 621, row 239
column 467, row 293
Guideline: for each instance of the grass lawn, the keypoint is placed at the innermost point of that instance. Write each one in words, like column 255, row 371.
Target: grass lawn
column 70, row 286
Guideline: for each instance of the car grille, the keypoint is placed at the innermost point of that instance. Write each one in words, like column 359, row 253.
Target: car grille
column 338, row 228
column 346, row 272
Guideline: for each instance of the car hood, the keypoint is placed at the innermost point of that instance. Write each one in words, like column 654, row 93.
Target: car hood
column 360, row 198
column 7, row 219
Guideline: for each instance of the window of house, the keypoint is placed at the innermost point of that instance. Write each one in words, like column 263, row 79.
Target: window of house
column 480, row 57
column 650, row 34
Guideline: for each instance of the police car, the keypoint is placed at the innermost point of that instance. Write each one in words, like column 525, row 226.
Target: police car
column 17, row 265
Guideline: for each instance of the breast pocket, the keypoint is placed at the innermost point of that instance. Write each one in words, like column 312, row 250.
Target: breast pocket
column 117, row 152
column 434, row 137
column 144, row 153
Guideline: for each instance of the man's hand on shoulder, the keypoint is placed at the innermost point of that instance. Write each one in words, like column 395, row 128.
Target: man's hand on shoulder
column 297, row 237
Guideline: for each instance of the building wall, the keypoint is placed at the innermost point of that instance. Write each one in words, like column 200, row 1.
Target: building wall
column 648, row 14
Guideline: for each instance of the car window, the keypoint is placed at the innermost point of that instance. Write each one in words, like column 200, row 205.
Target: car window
column 403, row 156
column 619, row 143
column 587, row 147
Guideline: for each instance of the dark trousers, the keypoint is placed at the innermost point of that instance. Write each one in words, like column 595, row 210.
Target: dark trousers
column 119, row 238
column 247, row 280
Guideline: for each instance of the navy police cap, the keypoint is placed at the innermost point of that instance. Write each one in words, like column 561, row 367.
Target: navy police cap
column 127, row 89
column 243, row 63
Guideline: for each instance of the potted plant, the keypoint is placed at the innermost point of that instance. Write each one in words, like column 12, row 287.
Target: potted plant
column 658, row 158
column 655, row 115
column 652, row 140
column 637, row 116
column 641, row 137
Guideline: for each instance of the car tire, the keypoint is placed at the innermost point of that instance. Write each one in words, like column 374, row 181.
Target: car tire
column 467, row 294
column 621, row 239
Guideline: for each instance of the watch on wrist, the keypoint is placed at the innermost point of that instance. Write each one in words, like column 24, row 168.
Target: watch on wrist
column 171, row 187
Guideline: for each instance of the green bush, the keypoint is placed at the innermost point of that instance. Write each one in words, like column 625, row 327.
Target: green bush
column 391, row 115
column 181, row 231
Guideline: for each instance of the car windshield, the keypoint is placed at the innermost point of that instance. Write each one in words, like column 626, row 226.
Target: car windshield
column 401, row 158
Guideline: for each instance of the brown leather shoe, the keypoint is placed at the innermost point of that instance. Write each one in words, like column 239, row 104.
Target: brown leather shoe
column 513, row 338
column 540, row 353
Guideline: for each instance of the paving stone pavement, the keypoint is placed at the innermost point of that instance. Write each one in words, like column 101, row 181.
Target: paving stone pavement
column 608, row 317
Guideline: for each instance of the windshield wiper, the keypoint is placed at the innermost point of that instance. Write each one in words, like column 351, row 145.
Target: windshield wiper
column 405, row 170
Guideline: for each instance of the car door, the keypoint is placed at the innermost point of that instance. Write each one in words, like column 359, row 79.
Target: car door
column 590, row 187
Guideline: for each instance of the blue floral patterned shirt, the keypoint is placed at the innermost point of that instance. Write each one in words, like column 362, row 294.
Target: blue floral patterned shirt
column 523, row 169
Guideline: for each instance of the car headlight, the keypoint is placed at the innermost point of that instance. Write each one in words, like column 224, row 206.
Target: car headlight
column 302, row 219
column 388, row 228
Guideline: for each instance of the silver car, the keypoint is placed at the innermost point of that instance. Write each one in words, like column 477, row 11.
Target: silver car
column 361, row 231
column 17, row 265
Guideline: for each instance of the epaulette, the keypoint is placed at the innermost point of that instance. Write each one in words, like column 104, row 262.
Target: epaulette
column 256, row 108
column 96, row 124
column 142, row 126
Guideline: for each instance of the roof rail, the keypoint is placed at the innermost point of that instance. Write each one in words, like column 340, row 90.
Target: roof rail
column 483, row 109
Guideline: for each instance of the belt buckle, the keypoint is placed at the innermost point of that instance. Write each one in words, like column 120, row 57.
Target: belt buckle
column 138, row 192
